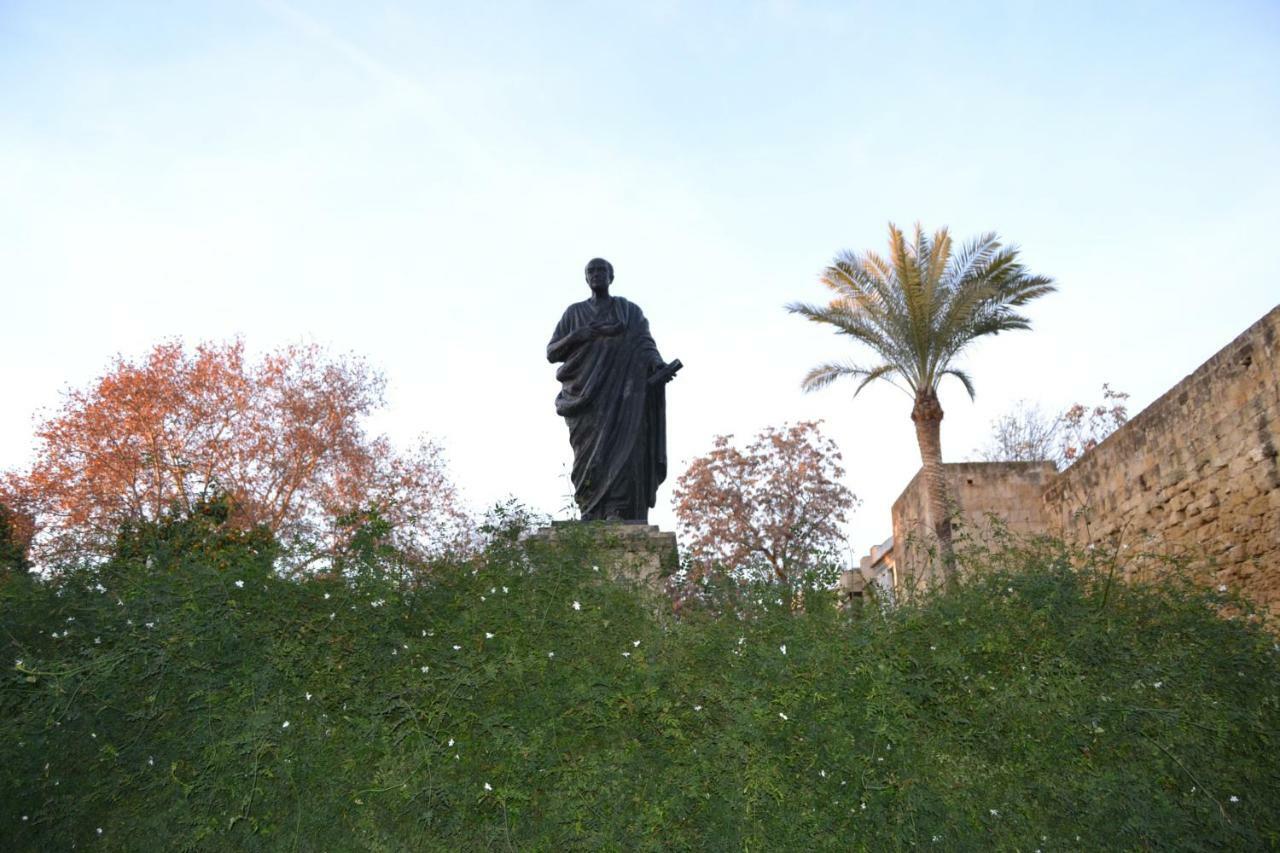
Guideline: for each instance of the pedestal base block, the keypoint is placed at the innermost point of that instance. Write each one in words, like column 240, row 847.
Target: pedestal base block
column 640, row 553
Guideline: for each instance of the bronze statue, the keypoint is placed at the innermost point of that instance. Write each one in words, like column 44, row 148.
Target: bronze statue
column 613, row 396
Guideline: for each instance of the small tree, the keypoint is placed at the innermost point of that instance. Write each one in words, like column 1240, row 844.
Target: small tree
column 283, row 438
column 1085, row 427
column 774, row 508
column 1028, row 434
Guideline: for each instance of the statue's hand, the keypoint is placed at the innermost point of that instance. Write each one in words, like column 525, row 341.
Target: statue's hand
column 663, row 373
column 602, row 329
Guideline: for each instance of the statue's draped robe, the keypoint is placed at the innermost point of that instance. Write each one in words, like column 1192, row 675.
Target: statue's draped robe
column 617, row 421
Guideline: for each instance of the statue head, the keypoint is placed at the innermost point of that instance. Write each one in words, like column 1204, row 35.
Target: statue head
column 599, row 274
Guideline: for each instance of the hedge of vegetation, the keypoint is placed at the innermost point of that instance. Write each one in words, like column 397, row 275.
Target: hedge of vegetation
column 185, row 697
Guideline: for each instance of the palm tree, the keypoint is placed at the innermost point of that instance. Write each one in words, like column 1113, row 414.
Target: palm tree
column 917, row 310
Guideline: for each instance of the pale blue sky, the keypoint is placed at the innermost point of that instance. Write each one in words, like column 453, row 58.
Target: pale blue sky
column 422, row 183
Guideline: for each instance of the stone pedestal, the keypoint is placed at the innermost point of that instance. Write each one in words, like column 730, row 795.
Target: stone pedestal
column 637, row 552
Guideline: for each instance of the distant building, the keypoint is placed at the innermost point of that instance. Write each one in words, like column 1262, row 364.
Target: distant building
column 875, row 575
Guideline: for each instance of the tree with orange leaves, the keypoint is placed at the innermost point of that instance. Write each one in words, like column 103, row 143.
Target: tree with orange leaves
column 283, row 438
column 774, row 509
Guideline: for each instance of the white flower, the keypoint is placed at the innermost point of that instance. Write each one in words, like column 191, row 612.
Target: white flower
column 331, row 615
column 551, row 654
column 995, row 813
column 1234, row 798
column 326, row 596
column 425, row 670
column 99, row 587
column 626, row 654
column 577, row 606
column 488, row 787
column 933, row 648
column 937, row 838
column 1222, row 587
column 697, row 707
column 782, row 715
column 783, row 648
column 99, row 830
column 239, row 584
column 488, row 635
column 149, row 625
column 504, row 590
column 482, row 598
column 595, row 568
column 151, row 761
column 822, row 773
column 635, row 643
column 97, row 641
column 457, row 648
column 1158, row 685
column 285, row 724
column 450, row 741
column 493, row 590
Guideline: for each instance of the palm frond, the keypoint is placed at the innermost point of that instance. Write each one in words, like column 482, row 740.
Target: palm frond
column 939, row 254
column 973, row 254
column 919, row 314
column 824, row 374
column 1028, row 288
column 849, row 319
column 964, row 378
column 873, row 374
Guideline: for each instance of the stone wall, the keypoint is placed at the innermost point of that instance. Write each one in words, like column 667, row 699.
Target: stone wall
column 1195, row 474
column 1011, row 491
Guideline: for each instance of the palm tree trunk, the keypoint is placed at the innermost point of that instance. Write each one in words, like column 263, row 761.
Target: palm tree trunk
column 927, row 416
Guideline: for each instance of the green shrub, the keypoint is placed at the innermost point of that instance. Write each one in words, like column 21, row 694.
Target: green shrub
column 13, row 547
column 188, row 698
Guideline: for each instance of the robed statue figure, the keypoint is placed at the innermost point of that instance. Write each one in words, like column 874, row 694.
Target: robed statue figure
column 613, row 396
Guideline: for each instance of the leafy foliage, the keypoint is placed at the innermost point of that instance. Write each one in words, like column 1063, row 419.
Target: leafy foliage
column 186, row 695
column 921, row 306
column 284, row 436
column 13, row 544
column 1028, row 434
column 773, row 509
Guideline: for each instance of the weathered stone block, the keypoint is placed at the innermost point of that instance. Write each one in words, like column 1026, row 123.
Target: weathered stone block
column 640, row 553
